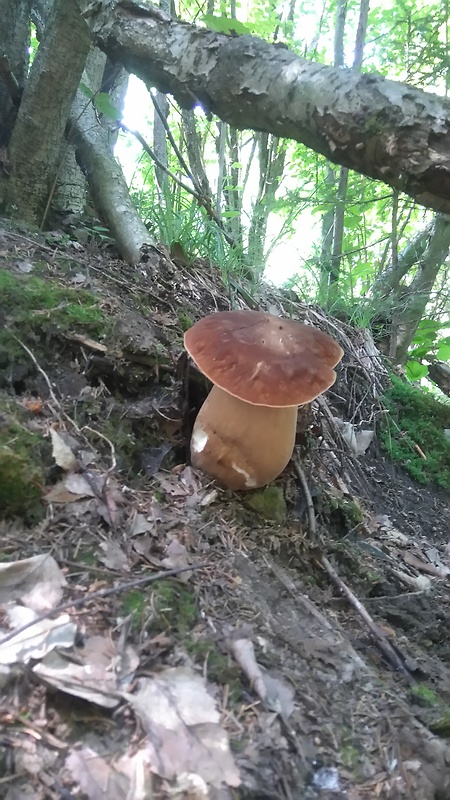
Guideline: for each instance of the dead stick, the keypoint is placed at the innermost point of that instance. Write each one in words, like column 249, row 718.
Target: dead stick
column 121, row 587
column 380, row 638
column 309, row 503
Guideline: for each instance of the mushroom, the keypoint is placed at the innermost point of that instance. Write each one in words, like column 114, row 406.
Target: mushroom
column 262, row 367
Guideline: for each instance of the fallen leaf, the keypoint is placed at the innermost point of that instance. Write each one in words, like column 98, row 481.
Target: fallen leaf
column 276, row 694
column 37, row 581
column 59, row 495
column 94, row 674
column 114, row 557
column 126, row 779
column 24, row 266
column 79, row 278
column 176, row 556
column 62, row 453
column 140, row 524
column 77, row 484
column 38, row 640
column 182, row 723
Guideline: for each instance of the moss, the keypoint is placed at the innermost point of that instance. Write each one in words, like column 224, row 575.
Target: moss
column 417, row 420
column 36, row 307
column 172, row 605
column 221, row 669
column 441, row 726
column 87, row 557
column 175, row 605
column 134, row 604
column 21, row 472
column 425, row 695
column 350, row 509
column 268, row 502
column 185, row 321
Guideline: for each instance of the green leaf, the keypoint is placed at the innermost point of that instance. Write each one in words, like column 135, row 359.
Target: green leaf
column 419, row 352
column 444, row 353
column 224, row 24
column 230, row 214
column 104, row 106
column 415, row 370
column 86, row 91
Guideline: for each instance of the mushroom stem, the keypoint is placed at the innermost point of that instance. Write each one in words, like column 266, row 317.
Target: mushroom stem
column 244, row 446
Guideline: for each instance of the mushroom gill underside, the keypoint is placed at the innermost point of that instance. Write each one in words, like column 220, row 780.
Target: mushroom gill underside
column 243, row 446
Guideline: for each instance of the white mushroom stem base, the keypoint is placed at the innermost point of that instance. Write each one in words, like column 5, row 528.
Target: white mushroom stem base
column 242, row 445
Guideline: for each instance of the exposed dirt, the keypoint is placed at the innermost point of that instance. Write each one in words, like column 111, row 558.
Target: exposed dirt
column 356, row 728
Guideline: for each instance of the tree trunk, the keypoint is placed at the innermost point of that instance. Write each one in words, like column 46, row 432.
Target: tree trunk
column 194, row 152
column 161, row 104
column 272, row 155
column 14, row 43
column 36, row 143
column 389, row 131
column 412, row 300
column 107, row 184
column 71, row 188
column 342, row 186
column 160, row 115
column 439, row 372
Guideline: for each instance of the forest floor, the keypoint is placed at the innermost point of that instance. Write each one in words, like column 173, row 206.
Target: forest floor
column 303, row 653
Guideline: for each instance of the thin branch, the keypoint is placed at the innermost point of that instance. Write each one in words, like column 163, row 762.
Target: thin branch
column 309, row 503
column 119, row 589
column 381, row 639
column 202, row 201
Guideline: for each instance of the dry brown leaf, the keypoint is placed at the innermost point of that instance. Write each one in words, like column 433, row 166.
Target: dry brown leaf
column 114, row 557
column 37, row 581
column 95, row 673
column 77, row 484
column 182, row 723
column 62, row 453
column 275, row 693
column 123, row 780
column 176, row 556
column 37, row 640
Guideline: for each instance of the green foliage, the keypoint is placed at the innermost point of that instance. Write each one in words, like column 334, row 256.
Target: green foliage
column 428, row 345
column 224, row 24
column 177, row 218
column 102, row 102
column 416, row 418
column 134, row 605
column 221, row 668
column 415, row 370
column 407, row 42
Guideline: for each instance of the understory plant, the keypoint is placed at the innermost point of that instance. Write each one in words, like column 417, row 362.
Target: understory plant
column 412, row 432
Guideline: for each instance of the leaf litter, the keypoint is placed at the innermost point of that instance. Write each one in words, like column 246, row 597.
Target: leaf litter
column 296, row 701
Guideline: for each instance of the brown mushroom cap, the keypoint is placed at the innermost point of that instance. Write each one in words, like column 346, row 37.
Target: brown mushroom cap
column 262, row 359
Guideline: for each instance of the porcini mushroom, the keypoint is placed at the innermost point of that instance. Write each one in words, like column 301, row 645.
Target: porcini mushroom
column 262, row 367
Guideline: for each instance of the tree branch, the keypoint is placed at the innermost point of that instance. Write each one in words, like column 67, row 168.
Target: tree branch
column 386, row 130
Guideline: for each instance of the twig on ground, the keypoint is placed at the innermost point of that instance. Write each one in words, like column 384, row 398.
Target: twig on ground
column 63, row 413
column 118, row 589
column 39, row 369
column 381, row 639
column 108, row 442
column 309, row 503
